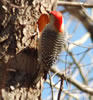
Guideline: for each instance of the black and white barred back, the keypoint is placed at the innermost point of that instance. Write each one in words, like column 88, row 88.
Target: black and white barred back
column 51, row 46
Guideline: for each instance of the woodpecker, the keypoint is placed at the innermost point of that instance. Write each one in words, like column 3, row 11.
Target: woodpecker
column 52, row 41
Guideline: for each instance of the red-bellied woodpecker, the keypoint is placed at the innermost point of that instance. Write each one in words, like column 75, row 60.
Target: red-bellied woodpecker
column 52, row 41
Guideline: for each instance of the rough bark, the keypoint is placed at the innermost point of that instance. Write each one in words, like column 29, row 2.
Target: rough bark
column 18, row 48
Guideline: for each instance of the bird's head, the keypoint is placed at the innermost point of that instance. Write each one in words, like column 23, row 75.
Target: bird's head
column 56, row 19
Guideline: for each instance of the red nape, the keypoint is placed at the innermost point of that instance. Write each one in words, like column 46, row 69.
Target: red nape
column 58, row 20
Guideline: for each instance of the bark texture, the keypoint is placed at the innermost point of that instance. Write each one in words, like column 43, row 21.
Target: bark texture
column 18, row 48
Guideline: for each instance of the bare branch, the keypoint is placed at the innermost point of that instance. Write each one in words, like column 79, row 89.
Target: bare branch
column 60, row 90
column 79, row 42
column 70, row 79
column 80, row 14
column 74, row 4
column 79, row 67
column 66, row 92
column 51, row 85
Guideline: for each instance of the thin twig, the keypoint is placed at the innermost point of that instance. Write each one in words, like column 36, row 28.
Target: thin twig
column 77, row 54
column 60, row 90
column 91, row 47
column 66, row 92
column 51, row 85
column 74, row 4
column 78, row 66
column 76, row 83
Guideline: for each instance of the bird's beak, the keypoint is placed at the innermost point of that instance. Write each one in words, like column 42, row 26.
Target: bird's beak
column 48, row 12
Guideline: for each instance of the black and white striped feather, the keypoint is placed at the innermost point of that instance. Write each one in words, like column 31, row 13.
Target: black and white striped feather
column 51, row 45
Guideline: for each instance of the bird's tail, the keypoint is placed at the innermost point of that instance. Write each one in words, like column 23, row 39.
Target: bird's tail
column 37, row 75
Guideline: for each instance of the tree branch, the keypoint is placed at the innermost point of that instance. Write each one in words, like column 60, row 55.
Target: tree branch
column 79, row 67
column 66, row 92
column 74, row 4
column 80, row 14
column 70, row 79
column 61, row 84
column 50, row 78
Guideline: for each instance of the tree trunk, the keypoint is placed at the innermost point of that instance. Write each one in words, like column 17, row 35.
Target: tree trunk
column 18, row 48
